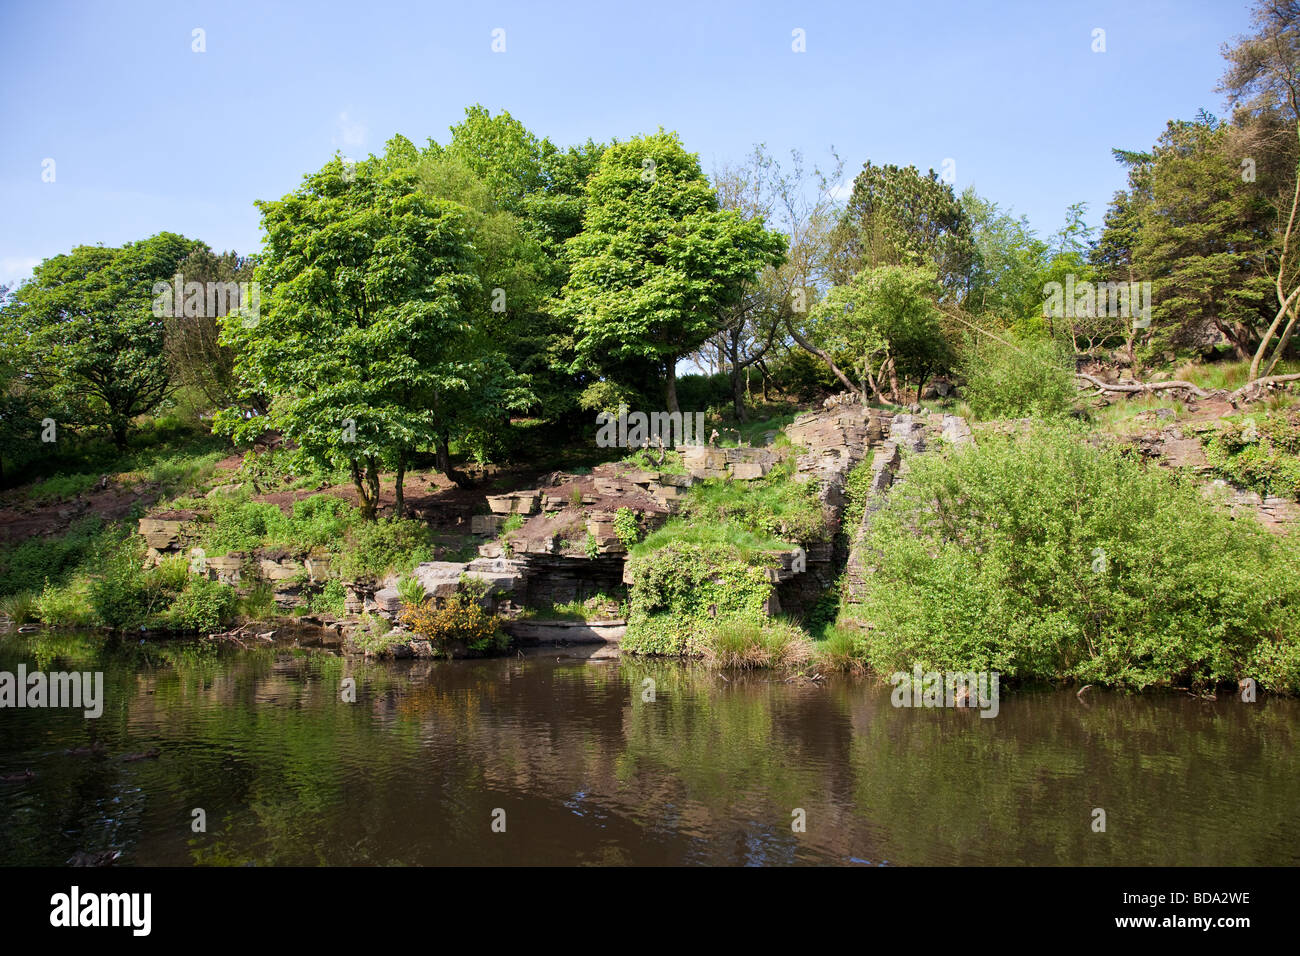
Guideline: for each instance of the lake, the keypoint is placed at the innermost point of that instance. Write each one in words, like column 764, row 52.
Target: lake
column 554, row 758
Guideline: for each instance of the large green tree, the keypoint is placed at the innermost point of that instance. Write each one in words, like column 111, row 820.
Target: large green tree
column 367, row 336
column 883, row 326
column 83, row 331
column 197, row 357
column 1192, row 227
column 897, row 216
column 657, row 265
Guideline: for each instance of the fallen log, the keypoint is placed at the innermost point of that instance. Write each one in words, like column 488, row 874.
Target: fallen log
column 1135, row 387
column 1247, row 391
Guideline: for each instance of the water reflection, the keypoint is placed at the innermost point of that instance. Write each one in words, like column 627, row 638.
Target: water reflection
column 588, row 771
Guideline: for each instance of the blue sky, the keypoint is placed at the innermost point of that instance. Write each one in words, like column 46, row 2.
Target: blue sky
column 147, row 135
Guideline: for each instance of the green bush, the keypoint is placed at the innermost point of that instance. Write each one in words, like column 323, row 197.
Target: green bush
column 410, row 590
column 239, row 525
column 332, row 599
column 1043, row 557
column 1260, row 452
column 64, row 606
column 27, row 566
column 461, row 620
column 123, row 594
column 626, row 528
column 681, row 592
column 1032, row 377
column 204, row 605
column 372, row 549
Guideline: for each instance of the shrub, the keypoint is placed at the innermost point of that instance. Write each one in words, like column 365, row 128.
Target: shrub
column 204, row 605
column 682, row 591
column 239, row 525
column 1042, row 557
column 626, row 528
column 375, row 635
column 321, row 521
column 123, row 594
column 410, row 589
column 375, row 548
column 462, row 620
column 857, row 489
column 1032, row 377
column 1260, row 452
column 332, row 599
column 64, row 606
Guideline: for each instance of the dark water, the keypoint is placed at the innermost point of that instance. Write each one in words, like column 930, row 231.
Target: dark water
column 588, row 772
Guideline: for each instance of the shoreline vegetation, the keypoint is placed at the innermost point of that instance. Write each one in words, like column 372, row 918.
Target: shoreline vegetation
column 922, row 436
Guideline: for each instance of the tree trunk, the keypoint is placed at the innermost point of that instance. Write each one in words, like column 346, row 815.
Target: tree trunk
column 119, row 435
column 671, row 389
column 442, row 454
column 830, row 363
column 363, row 491
column 1281, row 345
column 399, row 493
column 738, row 396
column 372, row 482
column 894, row 395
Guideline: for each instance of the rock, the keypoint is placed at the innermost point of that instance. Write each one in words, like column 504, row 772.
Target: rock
column 748, row 471
column 488, row 524
column 956, row 431
column 223, row 490
column 520, row 502
column 908, row 433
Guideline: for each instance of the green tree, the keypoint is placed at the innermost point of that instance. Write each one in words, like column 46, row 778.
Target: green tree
column 1008, row 265
column 1190, row 226
column 367, row 336
column 884, row 325
column 84, row 332
column 896, row 216
column 527, row 197
column 197, row 357
column 658, row 264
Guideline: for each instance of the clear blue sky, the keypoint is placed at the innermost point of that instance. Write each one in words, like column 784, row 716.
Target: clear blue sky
column 148, row 135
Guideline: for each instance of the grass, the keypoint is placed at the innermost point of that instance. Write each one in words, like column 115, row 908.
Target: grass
column 648, row 460
column 19, row 608
column 1227, row 375
column 752, row 433
column 841, row 650
column 728, row 534
column 1124, row 416
column 744, row 644
column 774, row 507
column 594, row 608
